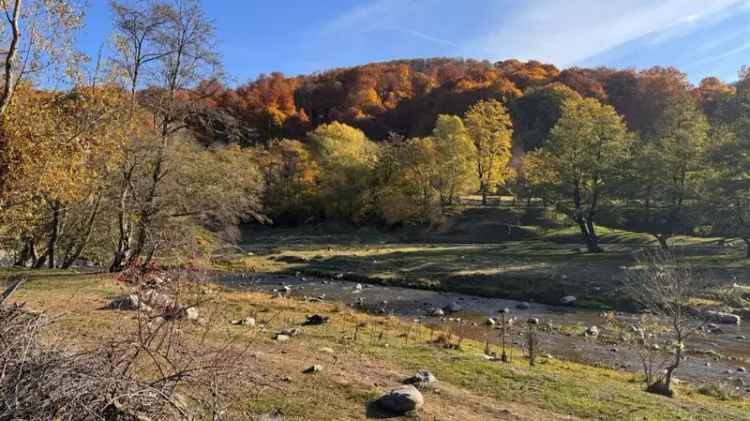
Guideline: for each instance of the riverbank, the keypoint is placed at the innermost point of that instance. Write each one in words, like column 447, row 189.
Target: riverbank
column 713, row 357
column 358, row 370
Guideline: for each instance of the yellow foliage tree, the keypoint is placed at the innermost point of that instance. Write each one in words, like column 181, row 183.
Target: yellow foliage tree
column 346, row 158
column 455, row 155
column 491, row 129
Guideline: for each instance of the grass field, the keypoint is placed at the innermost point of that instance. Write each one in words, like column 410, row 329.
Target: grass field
column 543, row 266
column 471, row 388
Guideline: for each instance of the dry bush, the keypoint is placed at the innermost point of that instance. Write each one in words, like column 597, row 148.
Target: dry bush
column 663, row 286
column 161, row 366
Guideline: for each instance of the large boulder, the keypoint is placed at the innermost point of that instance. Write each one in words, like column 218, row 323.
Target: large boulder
column 401, row 400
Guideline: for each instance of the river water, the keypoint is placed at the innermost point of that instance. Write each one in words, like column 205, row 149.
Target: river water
column 564, row 341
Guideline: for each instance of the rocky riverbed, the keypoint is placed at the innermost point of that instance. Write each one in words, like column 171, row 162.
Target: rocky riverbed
column 719, row 355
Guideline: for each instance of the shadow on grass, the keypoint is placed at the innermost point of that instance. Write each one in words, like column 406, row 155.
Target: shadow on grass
column 373, row 410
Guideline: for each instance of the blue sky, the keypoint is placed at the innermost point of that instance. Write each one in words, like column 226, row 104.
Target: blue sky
column 701, row 37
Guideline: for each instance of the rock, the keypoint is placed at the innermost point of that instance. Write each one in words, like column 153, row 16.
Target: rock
column 315, row 320
column 402, row 400
column 422, row 379
column 437, row 312
column 741, row 369
column 723, row 318
column 358, row 287
column 281, row 338
column 613, row 350
column 275, row 415
column 339, row 276
column 327, row 350
column 708, row 364
column 505, row 310
column 249, row 321
column 317, row 368
column 591, row 331
column 568, row 300
column 490, row 322
column 127, row 302
column 533, row 321
column 292, row 331
column 523, row 306
column 452, row 308
column 192, row 313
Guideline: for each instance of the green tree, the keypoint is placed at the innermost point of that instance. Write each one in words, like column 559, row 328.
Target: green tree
column 407, row 175
column 577, row 167
column 670, row 170
column 490, row 128
column 727, row 196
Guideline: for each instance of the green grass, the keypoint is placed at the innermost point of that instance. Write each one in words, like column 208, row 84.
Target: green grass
column 477, row 253
column 558, row 386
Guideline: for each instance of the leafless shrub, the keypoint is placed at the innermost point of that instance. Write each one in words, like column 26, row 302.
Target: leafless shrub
column 663, row 286
column 159, row 367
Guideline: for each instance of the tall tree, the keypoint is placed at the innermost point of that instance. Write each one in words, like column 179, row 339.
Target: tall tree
column 172, row 42
column 491, row 129
column 346, row 158
column 727, row 198
column 577, row 167
column 455, row 154
column 670, row 168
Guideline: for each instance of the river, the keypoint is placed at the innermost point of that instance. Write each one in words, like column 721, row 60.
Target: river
column 564, row 340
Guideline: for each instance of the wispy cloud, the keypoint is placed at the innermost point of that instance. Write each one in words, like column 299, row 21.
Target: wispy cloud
column 569, row 32
column 365, row 17
column 428, row 37
column 687, row 33
column 725, row 54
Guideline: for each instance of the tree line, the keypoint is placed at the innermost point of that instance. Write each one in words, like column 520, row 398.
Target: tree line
column 148, row 150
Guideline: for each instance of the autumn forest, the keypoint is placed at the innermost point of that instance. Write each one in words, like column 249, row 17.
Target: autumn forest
column 182, row 246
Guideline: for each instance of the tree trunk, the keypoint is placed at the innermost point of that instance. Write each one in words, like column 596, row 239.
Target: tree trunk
column 78, row 249
column 123, row 239
column 589, row 236
column 593, row 238
column 483, row 187
column 53, row 233
column 747, row 247
column 663, row 241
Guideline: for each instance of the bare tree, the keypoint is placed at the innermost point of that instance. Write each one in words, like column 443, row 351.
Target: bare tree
column 35, row 36
column 663, row 287
column 170, row 41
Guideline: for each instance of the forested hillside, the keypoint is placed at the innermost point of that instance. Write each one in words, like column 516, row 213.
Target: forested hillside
column 134, row 157
column 406, row 96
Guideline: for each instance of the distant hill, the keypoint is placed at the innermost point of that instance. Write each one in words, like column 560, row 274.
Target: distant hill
column 405, row 97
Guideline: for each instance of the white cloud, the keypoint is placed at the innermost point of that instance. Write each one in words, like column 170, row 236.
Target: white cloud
column 563, row 32
column 388, row 15
column 569, row 32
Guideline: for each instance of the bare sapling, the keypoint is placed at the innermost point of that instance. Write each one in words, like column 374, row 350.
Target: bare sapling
column 663, row 286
